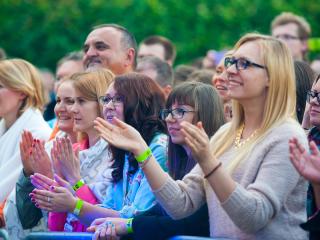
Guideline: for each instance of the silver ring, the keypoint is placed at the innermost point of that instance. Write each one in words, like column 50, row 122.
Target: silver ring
column 48, row 199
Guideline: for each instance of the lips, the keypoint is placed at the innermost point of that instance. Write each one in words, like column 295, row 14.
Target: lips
column 221, row 88
column 93, row 61
column 234, row 83
column 64, row 117
column 173, row 131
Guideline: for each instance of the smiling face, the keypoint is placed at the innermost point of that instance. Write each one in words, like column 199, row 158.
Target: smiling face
column 113, row 108
column 250, row 83
column 173, row 124
column 220, row 81
column 84, row 113
column 102, row 49
column 65, row 100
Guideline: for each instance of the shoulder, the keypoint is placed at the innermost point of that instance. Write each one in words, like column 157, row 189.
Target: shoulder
column 160, row 139
column 286, row 130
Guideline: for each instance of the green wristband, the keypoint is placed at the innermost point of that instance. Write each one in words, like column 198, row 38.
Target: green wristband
column 129, row 225
column 78, row 185
column 143, row 156
column 78, row 207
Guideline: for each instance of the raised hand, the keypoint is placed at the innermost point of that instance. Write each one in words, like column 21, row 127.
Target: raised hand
column 40, row 159
column 25, row 152
column 307, row 164
column 120, row 135
column 197, row 140
column 66, row 162
column 58, row 199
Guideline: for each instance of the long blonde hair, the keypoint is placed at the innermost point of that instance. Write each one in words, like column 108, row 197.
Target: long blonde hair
column 21, row 76
column 280, row 99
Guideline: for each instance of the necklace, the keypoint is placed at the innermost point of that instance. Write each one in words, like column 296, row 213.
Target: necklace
column 237, row 142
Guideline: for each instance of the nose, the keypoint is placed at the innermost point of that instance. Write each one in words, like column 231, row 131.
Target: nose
column 91, row 51
column 74, row 108
column 313, row 101
column 231, row 69
column 109, row 105
column 169, row 118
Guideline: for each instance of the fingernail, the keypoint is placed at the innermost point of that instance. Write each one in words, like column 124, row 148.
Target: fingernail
column 31, row 195
column 52, row 187
column 33, row 200
column 37, row 205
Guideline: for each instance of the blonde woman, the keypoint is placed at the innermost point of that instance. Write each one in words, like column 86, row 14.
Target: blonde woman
column 21, row 101
column 244, row 173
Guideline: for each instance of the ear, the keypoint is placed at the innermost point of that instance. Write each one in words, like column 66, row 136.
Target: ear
column 131, row 53
column 22, row 95
column 304, row 47
column 167, row 90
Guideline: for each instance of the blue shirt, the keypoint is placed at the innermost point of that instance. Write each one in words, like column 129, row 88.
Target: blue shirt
column 132, row 195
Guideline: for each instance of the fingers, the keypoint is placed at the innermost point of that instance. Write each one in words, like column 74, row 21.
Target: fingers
column 314, row 149
column 103, row 123
column 119, row 123
column 44, row 179
column 61, row 182
column 98, row 221
column 38, row 183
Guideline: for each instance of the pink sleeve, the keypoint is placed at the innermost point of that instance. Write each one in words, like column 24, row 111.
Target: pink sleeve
column 86, row 194
column 56, row 221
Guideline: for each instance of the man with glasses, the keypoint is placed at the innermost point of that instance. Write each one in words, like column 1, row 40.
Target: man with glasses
column 294, row 31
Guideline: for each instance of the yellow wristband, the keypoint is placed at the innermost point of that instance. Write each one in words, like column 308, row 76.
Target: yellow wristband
column 129, row 226
column 78, row 207
column 78, row 185
column 144, row 156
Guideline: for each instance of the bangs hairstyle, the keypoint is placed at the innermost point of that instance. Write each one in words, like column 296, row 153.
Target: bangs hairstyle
column 142, row 100
column 203, row 98
column 208, row 109
column 21, row 76
column 280, row 100
column 92, row 84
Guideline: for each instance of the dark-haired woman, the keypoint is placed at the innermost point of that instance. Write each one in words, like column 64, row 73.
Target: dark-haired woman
column 191, row 102
column 137, row 100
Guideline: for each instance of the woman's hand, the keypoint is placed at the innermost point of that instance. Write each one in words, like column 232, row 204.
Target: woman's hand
column 308, row 165
column 121, row 135
column 25, row 152
column 42, row 182
column 59, row 199
column 65, row 160
column 108, row 228
column 40, row 159
column 198, row 142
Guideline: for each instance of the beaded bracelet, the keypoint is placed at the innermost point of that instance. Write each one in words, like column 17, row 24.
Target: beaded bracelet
column 213, row 170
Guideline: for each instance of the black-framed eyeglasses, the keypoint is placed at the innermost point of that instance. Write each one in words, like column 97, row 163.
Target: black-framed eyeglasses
column 104, row 100
column 313, row 94
column 176, row 113
column 241, row 63
column 286, row 37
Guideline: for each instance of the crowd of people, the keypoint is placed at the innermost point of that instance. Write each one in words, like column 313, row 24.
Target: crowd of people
column 123, row 145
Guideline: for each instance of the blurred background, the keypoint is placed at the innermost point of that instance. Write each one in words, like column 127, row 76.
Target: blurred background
column 43, row 31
